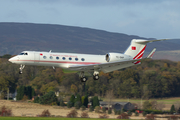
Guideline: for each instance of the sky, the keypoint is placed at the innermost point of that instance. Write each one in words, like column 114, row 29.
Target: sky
column 145, row 18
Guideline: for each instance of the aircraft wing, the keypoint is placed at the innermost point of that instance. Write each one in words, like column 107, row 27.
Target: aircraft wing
column 102, row 65
column 109, row 66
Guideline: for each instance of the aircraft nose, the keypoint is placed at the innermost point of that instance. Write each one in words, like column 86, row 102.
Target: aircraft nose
column 13, row 59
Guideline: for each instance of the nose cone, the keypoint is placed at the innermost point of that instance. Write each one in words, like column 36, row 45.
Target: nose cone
column 13, row 59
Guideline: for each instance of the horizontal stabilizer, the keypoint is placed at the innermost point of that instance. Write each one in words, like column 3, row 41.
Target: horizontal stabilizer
column 152, row 53
column 141, row 41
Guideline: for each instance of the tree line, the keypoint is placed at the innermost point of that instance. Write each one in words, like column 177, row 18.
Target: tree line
column 151, row 79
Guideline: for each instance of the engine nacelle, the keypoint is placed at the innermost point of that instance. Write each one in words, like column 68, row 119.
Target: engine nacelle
column 111, row 57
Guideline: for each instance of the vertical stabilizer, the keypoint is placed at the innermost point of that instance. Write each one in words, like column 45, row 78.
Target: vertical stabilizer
column 136, row 48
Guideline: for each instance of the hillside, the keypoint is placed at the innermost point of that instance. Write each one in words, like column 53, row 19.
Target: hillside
column 16, row 37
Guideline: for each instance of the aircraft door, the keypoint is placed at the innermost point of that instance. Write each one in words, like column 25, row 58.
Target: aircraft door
column 36, row 57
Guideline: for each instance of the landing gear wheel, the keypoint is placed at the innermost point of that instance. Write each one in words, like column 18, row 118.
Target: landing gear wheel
column 20, row 72
column 96, row 77
column 83, row 79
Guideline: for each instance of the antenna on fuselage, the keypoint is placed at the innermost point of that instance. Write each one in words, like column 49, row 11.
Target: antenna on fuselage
column 50, row 51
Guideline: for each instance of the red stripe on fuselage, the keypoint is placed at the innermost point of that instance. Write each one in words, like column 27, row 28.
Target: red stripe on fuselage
column 67, row 62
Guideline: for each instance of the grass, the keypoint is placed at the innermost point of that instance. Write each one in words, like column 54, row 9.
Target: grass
column 46, row 118
column 165, row 100
column 68, row 71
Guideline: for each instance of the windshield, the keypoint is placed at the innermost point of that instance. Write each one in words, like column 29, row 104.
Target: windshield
column 23, row 54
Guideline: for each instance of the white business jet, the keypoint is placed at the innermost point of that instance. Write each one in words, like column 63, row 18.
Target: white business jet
column 86, row 62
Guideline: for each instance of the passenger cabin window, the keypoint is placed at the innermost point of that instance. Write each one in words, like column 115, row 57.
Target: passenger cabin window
column 51, row 57
column 57, row 58
column 44, row 57
column 83, row 59
column 76, row 59
column 63, row 58
column 70, row 58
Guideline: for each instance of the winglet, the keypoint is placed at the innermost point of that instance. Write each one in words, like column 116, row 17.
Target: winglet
column 152, row 53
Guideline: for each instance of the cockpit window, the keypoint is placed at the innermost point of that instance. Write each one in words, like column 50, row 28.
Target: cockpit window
column 23, row 54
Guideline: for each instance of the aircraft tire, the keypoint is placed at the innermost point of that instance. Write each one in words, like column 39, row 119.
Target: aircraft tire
column 96, row 77
column 83, row 79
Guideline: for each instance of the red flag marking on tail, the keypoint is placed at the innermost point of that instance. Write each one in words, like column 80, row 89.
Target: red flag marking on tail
column 133, row 48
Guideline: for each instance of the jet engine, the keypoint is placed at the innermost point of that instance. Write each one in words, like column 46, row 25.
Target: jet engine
column 111, row 57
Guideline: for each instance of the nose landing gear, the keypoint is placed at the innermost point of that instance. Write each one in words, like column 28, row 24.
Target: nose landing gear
column 21, row 68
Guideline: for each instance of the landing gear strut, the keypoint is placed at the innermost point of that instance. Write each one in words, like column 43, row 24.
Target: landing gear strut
column 96, row 75
column 83, row 78
column 21, row 68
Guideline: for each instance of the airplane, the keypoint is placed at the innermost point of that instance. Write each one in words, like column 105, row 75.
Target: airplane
column 87, row 62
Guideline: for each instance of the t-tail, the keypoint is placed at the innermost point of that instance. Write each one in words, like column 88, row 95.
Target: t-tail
column 137, row 48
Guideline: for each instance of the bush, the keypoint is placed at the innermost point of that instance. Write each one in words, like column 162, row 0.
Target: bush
column 104, row 110
column 36, row 100
column 144, row 113
column 72, row 99
column 123, row 116
column 97, row 109
column 84, row 115
column 45, row 113
column 91, row 109
column 136, row 113
column 62, row 103
column 129, row 113
column 25, row 98
column 69, row 104
column 103, row 116
column 172, row 110
column 5, row 112
column 72, row 114
column 95, row 101
column 83, row 108
column 85, row 101
column 147, row 105
column 49, row 98
column 77, row 105
column 173, row 117
column 115, row 112
column 150, row 117
column 109, row 111
column 118, row 112
column 154, row 111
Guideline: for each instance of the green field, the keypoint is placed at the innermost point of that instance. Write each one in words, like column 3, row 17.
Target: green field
column 68, row 71
column 165, row 100
column 45, row 118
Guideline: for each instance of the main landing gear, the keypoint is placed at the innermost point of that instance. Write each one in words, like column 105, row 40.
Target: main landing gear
column 96, row 75
column 21, row 68
column 84, row 79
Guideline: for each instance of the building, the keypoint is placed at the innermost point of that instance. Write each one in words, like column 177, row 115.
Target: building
column 117, row 105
